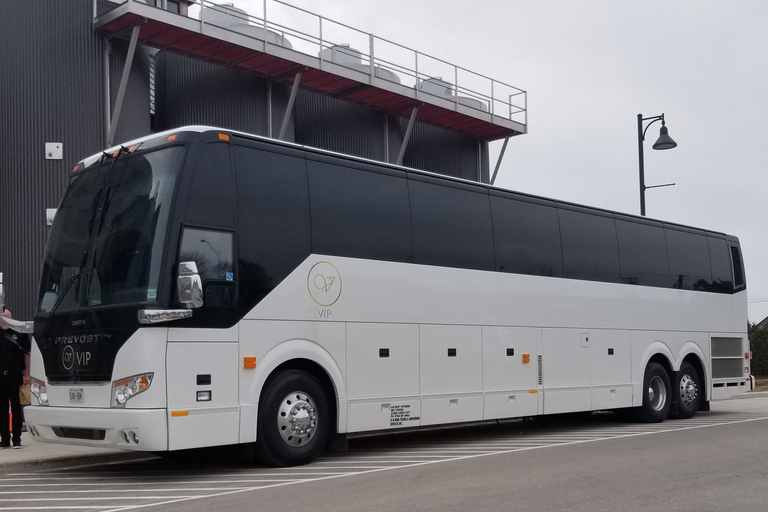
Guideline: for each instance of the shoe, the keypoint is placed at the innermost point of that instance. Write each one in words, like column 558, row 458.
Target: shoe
column 5, row 444
column 17, row 445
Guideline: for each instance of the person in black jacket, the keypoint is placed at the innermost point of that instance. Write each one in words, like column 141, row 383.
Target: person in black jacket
column 14, row 349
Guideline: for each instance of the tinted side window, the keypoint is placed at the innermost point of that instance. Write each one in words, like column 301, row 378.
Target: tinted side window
column 359, row 213
column 642, row 254
column 526, row 237
column 688, row 260
column 211, row 198
column 212, row 251
column 720, row 262
column 590, row 249
column 738, row 267
column 273, row 204
column 451, row 226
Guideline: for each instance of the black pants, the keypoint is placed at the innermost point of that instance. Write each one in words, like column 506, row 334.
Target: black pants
column 9, row 392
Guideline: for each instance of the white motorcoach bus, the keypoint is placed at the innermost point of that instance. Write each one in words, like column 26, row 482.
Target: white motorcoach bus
column 204, row 287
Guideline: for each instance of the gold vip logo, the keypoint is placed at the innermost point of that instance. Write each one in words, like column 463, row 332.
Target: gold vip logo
column 324, row 284
column 68, row 357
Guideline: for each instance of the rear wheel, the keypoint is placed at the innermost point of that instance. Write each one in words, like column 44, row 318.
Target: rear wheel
column 687, row 391
column 293, row 425
column 657, row 394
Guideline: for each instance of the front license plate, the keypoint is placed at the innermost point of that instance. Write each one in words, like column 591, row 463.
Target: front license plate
column 76, row 396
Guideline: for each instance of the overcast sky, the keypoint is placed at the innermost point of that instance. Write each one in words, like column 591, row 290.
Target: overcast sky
column 589, row 68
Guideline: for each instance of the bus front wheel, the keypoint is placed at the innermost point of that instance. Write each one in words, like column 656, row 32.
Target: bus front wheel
column 293, row 419
column 657, row 395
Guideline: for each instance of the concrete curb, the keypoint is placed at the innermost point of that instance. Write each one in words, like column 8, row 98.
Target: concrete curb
column 72, row 460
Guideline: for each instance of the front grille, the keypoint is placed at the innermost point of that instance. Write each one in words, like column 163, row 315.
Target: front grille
column 91, row 434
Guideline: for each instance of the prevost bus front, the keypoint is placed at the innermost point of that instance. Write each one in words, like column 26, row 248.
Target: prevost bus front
column 204, row 287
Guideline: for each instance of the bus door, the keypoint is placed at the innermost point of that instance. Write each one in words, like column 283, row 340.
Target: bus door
column 202, row 360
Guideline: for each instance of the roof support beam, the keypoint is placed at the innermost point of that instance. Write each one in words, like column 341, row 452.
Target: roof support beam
column 289, row 108
column 407, row 135
column 123, row 86
column 498, row 162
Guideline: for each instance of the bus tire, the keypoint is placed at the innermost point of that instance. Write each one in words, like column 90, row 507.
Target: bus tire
column 293, row 423
column 657, row 395
column 687, row 390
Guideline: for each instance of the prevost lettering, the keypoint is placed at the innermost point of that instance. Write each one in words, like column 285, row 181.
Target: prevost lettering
column 82, row 338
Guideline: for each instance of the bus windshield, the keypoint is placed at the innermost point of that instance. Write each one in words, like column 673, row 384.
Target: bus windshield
column 106, row 242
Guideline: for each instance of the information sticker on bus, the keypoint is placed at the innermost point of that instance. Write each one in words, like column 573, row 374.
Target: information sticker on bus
column 76, row 396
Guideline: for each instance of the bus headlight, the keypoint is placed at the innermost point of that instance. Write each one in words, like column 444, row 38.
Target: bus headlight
column 38, row 389
column 125, row 389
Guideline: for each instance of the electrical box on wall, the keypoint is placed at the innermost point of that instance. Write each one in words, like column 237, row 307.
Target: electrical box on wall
column 54, row 151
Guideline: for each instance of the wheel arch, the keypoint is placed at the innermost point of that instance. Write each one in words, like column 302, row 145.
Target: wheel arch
column 695, row 356
column 304, row 355
column 657, row 352
column 692, row 353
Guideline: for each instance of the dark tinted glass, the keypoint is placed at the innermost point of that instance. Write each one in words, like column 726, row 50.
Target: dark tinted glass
column 720, row 262
column 590, row 249
column 642, row 254
column 211, row 199
column 273, row 202
column 451, row 226
column 67, row 243
column 688, row 260
column 211, row 251
column 738, row 268
column 359, row 213
column 527, row 237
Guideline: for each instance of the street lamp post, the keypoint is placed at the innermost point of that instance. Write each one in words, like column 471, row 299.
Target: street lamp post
column 664, row 142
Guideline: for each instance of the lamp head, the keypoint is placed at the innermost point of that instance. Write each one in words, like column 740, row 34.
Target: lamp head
column 664, row 141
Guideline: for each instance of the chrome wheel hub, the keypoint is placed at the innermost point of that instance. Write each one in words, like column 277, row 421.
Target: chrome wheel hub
column 689, row 391
column 297, row 418
column 657, row 393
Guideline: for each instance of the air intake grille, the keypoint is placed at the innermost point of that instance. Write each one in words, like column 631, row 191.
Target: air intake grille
column 91, row 434
column 727, row 358
column 726, row 347
column 541, row 377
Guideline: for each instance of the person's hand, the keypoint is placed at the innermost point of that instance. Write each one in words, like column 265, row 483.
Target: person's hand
column 26, row 379
column 6, row 314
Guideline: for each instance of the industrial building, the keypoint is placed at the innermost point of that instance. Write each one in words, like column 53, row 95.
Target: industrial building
column 80, row 76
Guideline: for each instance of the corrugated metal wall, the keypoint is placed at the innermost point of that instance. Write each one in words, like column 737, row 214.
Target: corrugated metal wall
column 441, row 151
column 328, row 123
column 51, row 90
column 134, row 120
column 191, row 92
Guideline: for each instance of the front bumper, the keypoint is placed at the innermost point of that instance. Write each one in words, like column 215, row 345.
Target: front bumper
column 123, row 429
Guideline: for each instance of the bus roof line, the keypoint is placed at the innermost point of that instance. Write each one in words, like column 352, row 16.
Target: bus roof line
column 310, row 149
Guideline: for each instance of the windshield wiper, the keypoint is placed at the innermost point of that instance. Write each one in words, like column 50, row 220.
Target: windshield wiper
column 56, row 305
column 95, row 317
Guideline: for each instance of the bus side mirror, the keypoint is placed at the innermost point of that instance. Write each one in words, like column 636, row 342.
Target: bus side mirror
column 189, row 285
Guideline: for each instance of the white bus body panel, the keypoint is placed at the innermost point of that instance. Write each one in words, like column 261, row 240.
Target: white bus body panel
column 383, row 382
column 456, row 341
column 511, row 385
column 211, row 354
column 573, row 324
